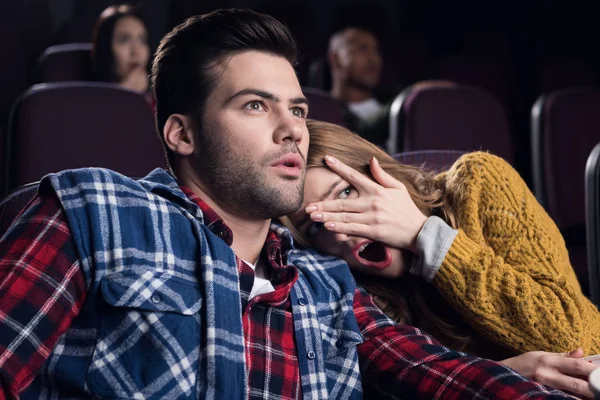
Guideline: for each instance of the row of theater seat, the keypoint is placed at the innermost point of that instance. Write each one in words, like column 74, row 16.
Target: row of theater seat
column 565, row 127
column 56, row 126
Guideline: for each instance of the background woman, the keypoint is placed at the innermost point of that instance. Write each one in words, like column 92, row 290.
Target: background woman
column 121, row 52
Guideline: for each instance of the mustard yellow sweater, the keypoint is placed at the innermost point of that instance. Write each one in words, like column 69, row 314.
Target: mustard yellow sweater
column 508, row 271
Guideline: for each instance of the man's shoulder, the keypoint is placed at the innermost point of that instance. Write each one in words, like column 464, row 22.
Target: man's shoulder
column 101, row 179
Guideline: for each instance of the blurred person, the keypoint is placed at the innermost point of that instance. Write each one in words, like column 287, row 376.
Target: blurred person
column 355, row 61
column 120, row 49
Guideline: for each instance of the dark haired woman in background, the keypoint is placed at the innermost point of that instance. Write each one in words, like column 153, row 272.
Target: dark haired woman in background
column 121, row 52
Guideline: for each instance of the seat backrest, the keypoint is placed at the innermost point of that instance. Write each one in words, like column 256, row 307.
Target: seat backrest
column 565, row 127
column 442, row 115
column 432, row 160
column 57, row 126
column 323, row 107
column 12, row 205
column 65, row 62
column 592, row 217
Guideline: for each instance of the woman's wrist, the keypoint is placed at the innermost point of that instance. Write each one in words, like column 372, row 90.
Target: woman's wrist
column 432, row 245
column 419, row 224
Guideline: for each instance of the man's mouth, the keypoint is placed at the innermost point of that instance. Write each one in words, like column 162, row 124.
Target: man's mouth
column 290, row 164
column 373, row 254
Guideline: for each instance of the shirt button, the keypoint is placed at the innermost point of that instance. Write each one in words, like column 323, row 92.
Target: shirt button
column 311, row 355
column 221, row 234
column 155, row 299
column 302, row 301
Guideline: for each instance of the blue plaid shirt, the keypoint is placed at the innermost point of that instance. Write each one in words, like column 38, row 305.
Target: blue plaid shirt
column 156, row 325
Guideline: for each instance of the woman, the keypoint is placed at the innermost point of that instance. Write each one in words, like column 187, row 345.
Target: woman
column 468, row 255
column 121, row 52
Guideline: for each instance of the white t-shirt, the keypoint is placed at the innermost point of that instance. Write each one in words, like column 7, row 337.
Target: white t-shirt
column 261, row 284
column 366, row 109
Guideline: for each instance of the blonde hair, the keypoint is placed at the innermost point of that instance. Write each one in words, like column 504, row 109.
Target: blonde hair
column 408, row 300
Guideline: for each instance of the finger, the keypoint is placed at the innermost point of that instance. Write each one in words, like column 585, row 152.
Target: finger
column 577, row 353
column 382, row 177
column 352, row 176
column 359, row 218
column 352, row 229
column 570, row 384
column 348, row 205
column 575, row 366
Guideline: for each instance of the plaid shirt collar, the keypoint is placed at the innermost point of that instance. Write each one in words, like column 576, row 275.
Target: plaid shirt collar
column 276, row 244
column 211, row 219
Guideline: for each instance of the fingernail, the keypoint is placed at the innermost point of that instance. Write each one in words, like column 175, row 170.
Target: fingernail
column 330, row 160
column 329, row 225
column 316, row 217
column 310, row 209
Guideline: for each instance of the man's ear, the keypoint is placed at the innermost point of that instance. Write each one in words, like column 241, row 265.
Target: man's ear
column 178, row 134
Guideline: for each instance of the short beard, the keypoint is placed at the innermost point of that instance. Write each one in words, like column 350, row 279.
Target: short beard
column 243, row 189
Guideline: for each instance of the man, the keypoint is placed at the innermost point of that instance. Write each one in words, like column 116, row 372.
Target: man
column 355, row 62
column 180, row 287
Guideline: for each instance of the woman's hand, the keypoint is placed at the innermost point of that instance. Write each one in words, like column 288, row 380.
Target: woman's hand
column 383, row 212
column 565, row 371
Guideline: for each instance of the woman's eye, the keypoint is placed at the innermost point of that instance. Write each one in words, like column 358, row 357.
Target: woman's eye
column 314, row 228
column 254, row 105
column 344, row 194
column 299, row 112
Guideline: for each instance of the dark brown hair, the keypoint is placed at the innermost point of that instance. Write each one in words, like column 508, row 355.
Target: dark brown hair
column 103, row 59
column 183, row 73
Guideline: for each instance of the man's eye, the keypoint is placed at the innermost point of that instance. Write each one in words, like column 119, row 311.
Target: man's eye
column 314, row 228
column 299, row 112
column 254, row 105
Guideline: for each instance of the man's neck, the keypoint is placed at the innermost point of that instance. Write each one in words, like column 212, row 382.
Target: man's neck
column 249, row 234
column 350, row 94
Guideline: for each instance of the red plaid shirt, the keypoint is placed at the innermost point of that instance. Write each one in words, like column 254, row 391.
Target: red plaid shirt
column 42, row 289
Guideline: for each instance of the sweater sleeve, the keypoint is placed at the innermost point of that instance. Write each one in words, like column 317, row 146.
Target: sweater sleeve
column 508, row 271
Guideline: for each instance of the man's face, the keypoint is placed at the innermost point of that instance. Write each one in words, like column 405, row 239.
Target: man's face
column 252, row 145
column 359, row 58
